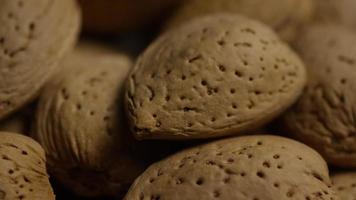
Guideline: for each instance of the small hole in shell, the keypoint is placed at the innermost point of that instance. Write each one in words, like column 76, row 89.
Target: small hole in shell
column 200, row 181
column 343, row 81
column 222, row 68
column 216, row 194
column 32, row 26
column 238, row 73
column 261, row 174
column 266, row 164
column 234, row 106
column 221, row 42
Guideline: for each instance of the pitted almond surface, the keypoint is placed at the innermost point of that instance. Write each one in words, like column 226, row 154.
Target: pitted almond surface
column 219, row 75
column 284, row 16
column 345, row 185
column 243, row 168
column 324, row 116
column 23, row 172
column 34, row 36
column 80, row 124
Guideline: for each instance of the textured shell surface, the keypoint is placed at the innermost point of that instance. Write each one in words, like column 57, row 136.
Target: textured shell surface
column 244, row 168
column 345, row 185
column 34, row 36
column 284, row 16
column 218, row 75
column 23, row 172
column 324, row 117
column 80, row 125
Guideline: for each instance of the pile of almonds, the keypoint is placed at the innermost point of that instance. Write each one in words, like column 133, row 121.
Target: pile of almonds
column 178, row 100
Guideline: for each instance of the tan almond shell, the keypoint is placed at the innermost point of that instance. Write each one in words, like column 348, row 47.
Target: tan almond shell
column 80, row 125
column 243, row 168
column 219, row 75
column 340, row 12
column 113, row 16
column 324, row 117
column 34, row 36
column 285, row 16
column 345, row 185
column 23, row 172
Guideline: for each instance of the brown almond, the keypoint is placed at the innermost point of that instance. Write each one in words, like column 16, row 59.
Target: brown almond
column 285, row 16
column 34, row 36
column 23, row 172
column 345, row 185
column 80, row 126
column 324, row 116
column 341, row 12
column 112, row 16
column 219, row 75
column 243, row 168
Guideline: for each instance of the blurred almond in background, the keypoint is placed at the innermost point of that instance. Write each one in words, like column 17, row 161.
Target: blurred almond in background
column 113, row 16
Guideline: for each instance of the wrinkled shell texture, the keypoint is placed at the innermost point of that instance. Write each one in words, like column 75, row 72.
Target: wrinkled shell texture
column 325, row 115
column 245, row 168
column 108, row 16
column 34, row 35
column 79, row 124
column 23, row 173
column 345, row 185
column 216, row 76
column 285, row 16
column 336, row 11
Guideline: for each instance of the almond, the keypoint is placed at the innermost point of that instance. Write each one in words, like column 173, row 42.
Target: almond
column 80, row 124
column 284, row 16
column 324, row 116
column 218, row 75
column 34, row 36
column 23, row 172
column 244, row 168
